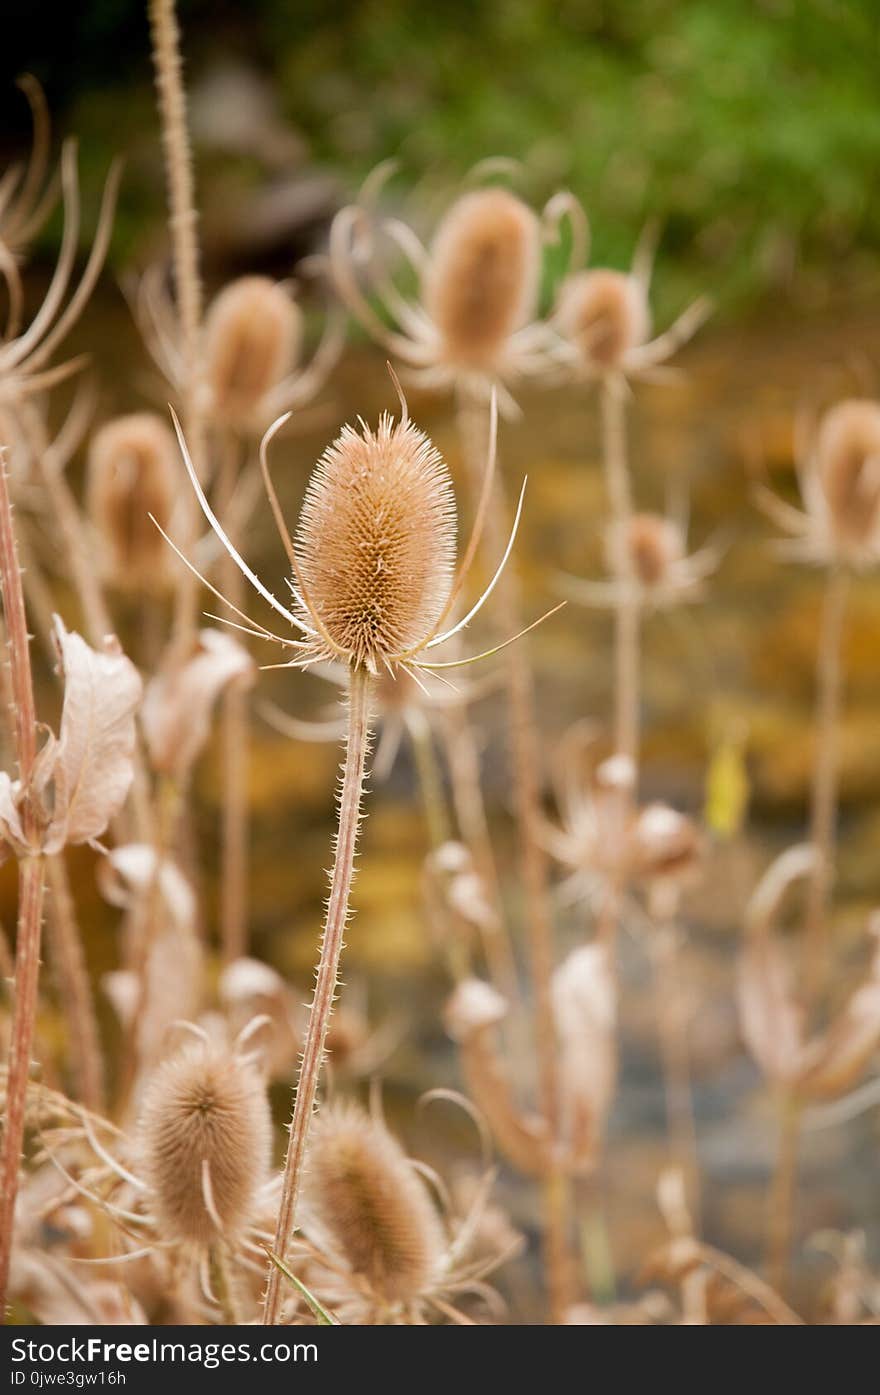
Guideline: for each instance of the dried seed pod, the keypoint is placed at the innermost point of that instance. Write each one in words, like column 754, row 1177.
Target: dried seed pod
column 603, row 314
column 253, row 336
column 848, row 468
column 371, row 1207
column 376, row 541
column 132, row 473
column 585, row 1012
column 205, row 1138
column 482, row 280
column 646, row 549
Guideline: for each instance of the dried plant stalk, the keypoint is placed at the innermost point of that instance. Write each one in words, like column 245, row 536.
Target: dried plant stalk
column 473, row 425
column 72, row 975
column 182, row 220
column 30, row 885
column 626, row 642
column 823, row 811
column 357, row 746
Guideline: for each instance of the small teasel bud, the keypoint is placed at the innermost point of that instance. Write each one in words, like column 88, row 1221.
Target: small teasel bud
column 848, row 467
column 603, row 314
column 482, row 280
column 205, row 1136
column 376, row 541
column 646, row 548
column 253, row 334
column 372, row 1208
column 132, row 473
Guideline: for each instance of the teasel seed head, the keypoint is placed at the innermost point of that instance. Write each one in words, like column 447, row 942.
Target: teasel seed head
column 482, row 281
column 848, row 469
column 253, row 336
column 603, row 314
column 371, row 1205
column 376, row 541
column 204, row 1113
column 132, row 473
column 646, row 549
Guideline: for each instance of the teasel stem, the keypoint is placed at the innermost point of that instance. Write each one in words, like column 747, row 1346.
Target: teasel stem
column 430, row 780
column 824, row 795
column 473, row 425
column 350, row 799
column 167, row 62
column 235, row 726
column 612, row 396
column 96, row 615
column 72, row 976
column 473, row 824
column 30, row 884
column 675, row 1056
column 782, row 1194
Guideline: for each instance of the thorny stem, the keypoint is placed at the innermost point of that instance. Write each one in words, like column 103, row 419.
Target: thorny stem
column 351, row 795
column 236, row 764
column 626, row 618
column 30, row 885
column 71, row 974
column 187, row 278
column 823, row 814
column 473, row 430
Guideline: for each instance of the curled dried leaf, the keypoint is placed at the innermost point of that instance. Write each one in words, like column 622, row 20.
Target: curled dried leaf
column 178, row 703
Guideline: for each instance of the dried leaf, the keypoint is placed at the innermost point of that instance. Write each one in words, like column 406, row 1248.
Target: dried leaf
column 585, row 1011
column 177, row 704
column 840, row 1057
column 91, row 766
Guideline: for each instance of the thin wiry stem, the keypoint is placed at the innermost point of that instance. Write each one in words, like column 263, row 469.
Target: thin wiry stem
column 626, row 642
column 526, row 781
column 72, row 976
column 675, row 1056
column 30, row 885
column 187, row 277
column 351, row 795
column 823, row 812
column 782, row 1194
column 236, row 763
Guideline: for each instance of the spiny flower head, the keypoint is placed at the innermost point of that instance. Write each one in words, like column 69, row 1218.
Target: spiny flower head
column 848, row 468
column 205, row 1138
column 481, row 282
column 371, row 1205
column 376, row 542
column 131, row 474
column 604, row 314
column 253, row 335
column 648, row 548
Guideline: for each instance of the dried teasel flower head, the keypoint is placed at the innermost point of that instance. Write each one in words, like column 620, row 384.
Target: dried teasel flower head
column 253, row 337
column 647, row 549
column 370, row 1207
column 481, row 281
column 204, row 1136
column 132, row 473
column 603, row 314
column 847, row 456
column 376, row 542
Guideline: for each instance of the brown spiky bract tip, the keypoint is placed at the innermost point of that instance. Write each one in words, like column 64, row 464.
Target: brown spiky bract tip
column 848, row 467
column 482, row 280
column 204, row 1105
column 372, row 1206
column 253, row 335
column 603, row 314
column 650, row 546
column 132, row 473
column 376, row 542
